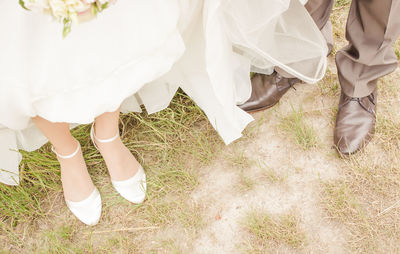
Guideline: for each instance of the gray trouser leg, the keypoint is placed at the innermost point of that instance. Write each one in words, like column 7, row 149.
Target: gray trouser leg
column 372, row 28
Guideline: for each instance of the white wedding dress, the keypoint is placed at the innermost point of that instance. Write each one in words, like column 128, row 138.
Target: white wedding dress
column 140, row 52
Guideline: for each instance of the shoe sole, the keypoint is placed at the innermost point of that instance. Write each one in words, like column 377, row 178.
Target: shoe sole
column 253, row 111
column 364, row 144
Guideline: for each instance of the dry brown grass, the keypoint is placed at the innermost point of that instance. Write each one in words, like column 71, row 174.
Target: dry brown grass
column 366, row 197
column 171, row 145
column 367, row 201
column 269, row 233
column 297, row 127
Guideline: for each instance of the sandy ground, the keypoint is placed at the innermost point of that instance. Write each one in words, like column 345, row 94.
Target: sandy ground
column 301, row 174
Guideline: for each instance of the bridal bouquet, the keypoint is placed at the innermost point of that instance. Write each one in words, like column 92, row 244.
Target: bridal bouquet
column 67, row 11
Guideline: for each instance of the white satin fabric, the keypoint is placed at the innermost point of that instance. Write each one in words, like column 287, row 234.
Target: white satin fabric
column 141, row 52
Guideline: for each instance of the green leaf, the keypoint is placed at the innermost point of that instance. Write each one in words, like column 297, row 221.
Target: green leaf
column 95, row 9
column 67, row 26
column 104, row 6
column 99, row 7
column 22, row 3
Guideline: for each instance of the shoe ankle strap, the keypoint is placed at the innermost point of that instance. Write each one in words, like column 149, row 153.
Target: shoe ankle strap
column 66, row 156
column 96, row 139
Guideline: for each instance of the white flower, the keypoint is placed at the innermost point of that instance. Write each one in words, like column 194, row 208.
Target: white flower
column 64, row 10
column 37, row 5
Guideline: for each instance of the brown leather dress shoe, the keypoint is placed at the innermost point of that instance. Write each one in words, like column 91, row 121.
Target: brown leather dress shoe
column 267, row 90
column 355, row 123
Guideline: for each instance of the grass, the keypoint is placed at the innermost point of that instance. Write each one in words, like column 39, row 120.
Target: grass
column 61, row 240
column 238, row 160
column 329, row 85
column 246, row 182
column 365, row 199
column 171, row 145
column 388, row 129
column 272, row 176
column 342, row 3
column 18, row 203
column 268, row 232
column 338, row 19
column 297, row 127
column 339, row 201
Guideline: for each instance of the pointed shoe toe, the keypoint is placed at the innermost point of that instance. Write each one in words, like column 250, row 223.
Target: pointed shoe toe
column 355, row 123
column 89, row 210
column 134, row 188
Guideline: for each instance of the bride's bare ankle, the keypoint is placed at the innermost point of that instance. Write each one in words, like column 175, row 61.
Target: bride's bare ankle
column 67, row 146
column 75, row 178
column 106, row 125
column 120, row 161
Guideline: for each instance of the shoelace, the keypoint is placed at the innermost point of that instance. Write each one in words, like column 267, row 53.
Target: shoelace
column 290, row 81
column 370, row 97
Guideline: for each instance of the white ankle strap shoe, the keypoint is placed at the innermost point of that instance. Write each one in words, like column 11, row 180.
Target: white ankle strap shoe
column 132, row 189
column 88, row 210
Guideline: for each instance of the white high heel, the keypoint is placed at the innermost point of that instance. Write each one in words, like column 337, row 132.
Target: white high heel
column 88, row 210
column 132, row 189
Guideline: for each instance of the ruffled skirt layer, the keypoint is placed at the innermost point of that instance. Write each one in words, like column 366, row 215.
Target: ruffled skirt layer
column 140, row 52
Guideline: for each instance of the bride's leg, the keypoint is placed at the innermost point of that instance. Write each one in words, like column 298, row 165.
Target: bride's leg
column 119, row 160
column 75, row 178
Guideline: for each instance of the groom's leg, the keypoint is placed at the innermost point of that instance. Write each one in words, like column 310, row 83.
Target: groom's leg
column 372, row 27
column 320, row 11
column 267, row 90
